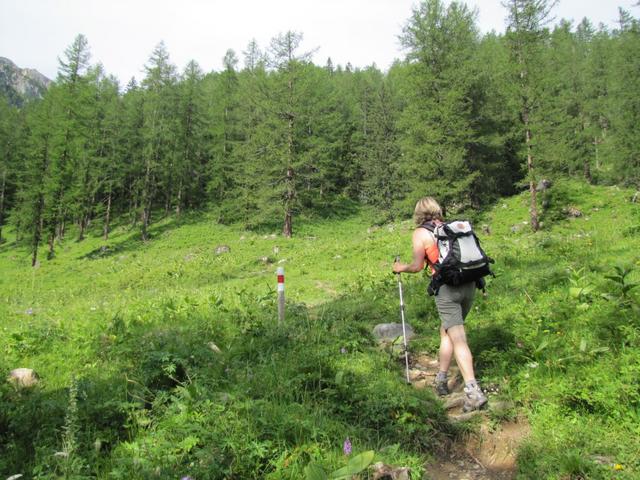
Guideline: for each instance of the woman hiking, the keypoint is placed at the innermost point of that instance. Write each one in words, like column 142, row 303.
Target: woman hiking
column 453, row 304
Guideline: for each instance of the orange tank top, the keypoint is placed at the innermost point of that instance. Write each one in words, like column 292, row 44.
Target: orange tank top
column 431, row 253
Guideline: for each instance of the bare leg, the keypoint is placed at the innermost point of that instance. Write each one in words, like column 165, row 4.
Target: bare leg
column 446, row 351
column 461, row 351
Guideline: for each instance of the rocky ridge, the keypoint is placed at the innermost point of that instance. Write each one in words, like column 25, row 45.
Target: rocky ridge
column 20, row 85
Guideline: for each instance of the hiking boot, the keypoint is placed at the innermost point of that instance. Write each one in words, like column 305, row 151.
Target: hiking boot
column 442, row 388
column 474, row 399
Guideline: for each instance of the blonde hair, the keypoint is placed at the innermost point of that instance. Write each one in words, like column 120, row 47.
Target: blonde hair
column 427, row 209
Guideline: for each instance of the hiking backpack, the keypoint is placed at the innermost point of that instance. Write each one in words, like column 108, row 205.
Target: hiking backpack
column 461, row 258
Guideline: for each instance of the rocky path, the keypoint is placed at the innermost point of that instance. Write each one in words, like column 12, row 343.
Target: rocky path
column 489, row 453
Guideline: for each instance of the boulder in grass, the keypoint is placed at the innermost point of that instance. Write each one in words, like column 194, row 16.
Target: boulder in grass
column 220, row 249
column 572, row 212
column 389, row 332
column 386, row 472
column 23, row 378
column 543, row 185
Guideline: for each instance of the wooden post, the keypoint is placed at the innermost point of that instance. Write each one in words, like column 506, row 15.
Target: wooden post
column 280, row 272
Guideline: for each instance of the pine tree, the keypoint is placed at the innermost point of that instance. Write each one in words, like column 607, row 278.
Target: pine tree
column 10, row 126
column 281, row 98
column 192, row 151
column 625, row 105
column 131, row 139
column 525, row 34
column 436, row 124
column 378, row 149
column 70, row 132
column 159, row 135
column 30, row 214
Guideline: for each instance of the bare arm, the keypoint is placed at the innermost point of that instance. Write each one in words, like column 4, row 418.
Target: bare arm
column 421, row 240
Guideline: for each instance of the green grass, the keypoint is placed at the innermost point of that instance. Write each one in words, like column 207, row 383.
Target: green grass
column 129, row 325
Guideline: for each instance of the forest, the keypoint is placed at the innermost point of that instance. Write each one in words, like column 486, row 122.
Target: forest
column 464, row 116
column 142, row 226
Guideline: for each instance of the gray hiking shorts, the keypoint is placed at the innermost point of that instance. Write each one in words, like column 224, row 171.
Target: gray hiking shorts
column 454, row 303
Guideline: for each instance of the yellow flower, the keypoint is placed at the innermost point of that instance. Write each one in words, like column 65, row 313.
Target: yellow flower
column 617, row 466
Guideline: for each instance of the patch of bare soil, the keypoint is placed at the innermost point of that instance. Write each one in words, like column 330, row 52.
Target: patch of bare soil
column 488, row 453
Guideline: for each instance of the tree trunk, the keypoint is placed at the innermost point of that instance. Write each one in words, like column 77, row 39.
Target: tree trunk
column 179, row 199
column 38, row 230
column 3, row 184
column 587, row 171
column 532, row 180
column 107, row 215
column 287, row 229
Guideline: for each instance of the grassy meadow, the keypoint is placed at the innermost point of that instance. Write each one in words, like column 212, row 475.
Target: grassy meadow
column 165, row 359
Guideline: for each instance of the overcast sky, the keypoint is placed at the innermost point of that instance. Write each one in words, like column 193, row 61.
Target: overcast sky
column 123, row 33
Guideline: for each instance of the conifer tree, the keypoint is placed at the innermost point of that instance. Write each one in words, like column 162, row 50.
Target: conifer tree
column 282, row 98
column 226, row 112
column 192, row 152
column 436, row 122
column 625, row 86
column 10, row 126
column 379, row 149
column 131, row 139
column 525, row 34
column 72, row 101
column 30, row 215
column 159, row 135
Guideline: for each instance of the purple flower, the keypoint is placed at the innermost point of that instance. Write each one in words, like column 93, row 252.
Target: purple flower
column 346, row 447
column 186, row 478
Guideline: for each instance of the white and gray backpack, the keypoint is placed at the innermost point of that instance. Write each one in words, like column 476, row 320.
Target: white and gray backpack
column 461, row 258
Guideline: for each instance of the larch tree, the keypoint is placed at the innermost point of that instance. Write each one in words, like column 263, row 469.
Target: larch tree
column 526, row 34
column 436, row 123
column 73, row 100
column 159, row 134
column 9, row 138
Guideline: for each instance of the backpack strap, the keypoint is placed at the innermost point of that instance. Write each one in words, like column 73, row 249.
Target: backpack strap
column 430, row 225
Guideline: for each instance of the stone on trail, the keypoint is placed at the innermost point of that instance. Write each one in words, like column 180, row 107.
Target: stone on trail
column 387, row 472
column 23, row 378
column 463, row 417
column 389, row 332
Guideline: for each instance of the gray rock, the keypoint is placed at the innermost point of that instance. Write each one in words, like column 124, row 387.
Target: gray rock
column 572, row 212
column 387, row 472
column 23, row 378
column 388, row 332
column 220, row 249
column 543, row 185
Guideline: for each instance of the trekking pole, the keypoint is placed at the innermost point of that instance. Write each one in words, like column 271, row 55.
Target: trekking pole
column 404, row 331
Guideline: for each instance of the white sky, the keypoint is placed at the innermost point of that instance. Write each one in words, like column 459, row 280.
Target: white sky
column 123, row 33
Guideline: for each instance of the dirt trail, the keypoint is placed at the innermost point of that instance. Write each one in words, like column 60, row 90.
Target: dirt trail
column 489, row 453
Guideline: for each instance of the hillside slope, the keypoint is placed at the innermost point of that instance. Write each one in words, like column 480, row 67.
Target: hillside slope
column 21, row 84
column 165, row 359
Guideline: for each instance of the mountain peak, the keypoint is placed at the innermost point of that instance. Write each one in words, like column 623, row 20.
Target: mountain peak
column 20, row 85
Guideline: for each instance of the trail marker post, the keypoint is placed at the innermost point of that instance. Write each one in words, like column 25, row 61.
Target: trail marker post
column 280, row 273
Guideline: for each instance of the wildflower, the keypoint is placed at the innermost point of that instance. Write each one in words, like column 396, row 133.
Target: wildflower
column 346, row 447
column 186, row 478
column 617, row 466
column 343, row 350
